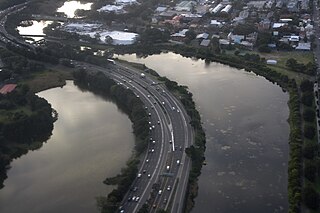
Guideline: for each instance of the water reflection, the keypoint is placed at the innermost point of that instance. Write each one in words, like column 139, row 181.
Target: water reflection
column 247, row 134
column 91, row 140
column 33, row 28
column 69, row 8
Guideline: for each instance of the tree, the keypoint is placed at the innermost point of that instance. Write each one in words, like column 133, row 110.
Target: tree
column 309, row 115
column 307, row 98
column 291, row 63
column 311, row 197
column 310, row 170
column 309, row 131
column 306, row 85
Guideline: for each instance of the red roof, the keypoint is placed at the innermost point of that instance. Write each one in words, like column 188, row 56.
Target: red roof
column 7, row 88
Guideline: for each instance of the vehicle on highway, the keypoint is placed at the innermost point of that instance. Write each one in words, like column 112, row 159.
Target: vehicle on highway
column 142, row 75
column 139, row 175
column 149, row 175
column 168, row 168
column 148, row 96
column 160, row 192
column 178, row 162
column 149, row 114
column 169, row 188
column 147, row 161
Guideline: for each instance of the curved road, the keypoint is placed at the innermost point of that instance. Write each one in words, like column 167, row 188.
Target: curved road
column 164, row 168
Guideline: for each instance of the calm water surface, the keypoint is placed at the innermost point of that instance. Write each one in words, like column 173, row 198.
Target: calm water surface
column 70, row 7
column 91, row 140
column 35, row 29
column 244, row 116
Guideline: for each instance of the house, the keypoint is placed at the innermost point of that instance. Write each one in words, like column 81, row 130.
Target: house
column 202, row 36
column 235, row 38
column 185, row 6
column 216, row 23
column 304, row 46
column 7, row 88
column 205, row 42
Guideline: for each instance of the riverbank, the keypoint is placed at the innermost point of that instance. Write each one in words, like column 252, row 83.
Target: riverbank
column 50, row 78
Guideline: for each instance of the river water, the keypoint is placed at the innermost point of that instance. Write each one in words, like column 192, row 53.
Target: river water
column 244, row 117
column 91, row 140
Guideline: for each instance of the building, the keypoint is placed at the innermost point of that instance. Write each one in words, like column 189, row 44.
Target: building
column 205, row 42
column 7, row 88
column 185, row 6
column 216, row 9
column 227, row 9
column 272, row 62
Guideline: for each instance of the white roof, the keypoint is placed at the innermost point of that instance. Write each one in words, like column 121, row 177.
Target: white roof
column 202, row 35
column 110, row 7
column 125, row 1
column 277, row 25
column 215, row 22
column 304, row 46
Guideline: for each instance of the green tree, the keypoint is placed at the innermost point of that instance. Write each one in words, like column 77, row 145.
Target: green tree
column 311, row 197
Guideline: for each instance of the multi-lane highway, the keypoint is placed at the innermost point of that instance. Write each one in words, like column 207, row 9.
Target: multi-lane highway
column 163, row 174
column 164, row 169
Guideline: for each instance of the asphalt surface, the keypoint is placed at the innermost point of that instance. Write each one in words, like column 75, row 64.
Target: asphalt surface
column 164, row 169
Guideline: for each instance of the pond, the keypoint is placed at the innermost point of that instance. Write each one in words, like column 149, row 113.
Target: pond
column 70, row 7
column 34, row 29
column 92, row 139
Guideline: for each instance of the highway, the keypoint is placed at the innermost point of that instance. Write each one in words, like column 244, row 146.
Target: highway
column 164, row 169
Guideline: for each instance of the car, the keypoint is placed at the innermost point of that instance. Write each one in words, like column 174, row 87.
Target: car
column 122, row 211
column 145, row 107
column 148, row 96
column 144, row 171
column 173, row 108
column 155, row 102
column 137, row 96
column 130, row 81
column 153, row 127
column 150, row 128
column 149, row 175
column 129, row 199
column 147, row 161
column 139, row 175
column 149, row 114
column 178, row 110
column 153, row 142
column 178, row 162
column 165, row 201
column 133, row 198
column 169, row 188
column 160, row 192
column 135, row 189
column 158, row 122
column 163, row 103
column 149, row 122
column 137, row 199
column 152, row 150
column 170, row 141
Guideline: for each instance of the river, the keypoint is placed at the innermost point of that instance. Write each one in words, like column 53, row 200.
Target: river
column 92, row 139
column 244, row 117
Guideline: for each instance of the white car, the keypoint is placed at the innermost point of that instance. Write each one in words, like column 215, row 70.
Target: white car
column 139, row 175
